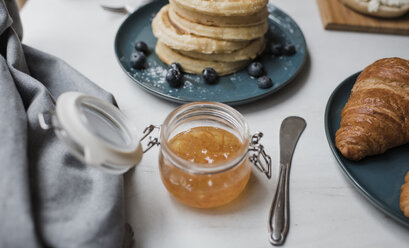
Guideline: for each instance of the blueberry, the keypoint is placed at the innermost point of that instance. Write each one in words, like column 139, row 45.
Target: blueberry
column 289, row 50
column 137, row 60
column 141, row 47
column 276, row 49
column 256, row 69
column 174, row 78
column 176, row 66
column 264, row 82
column 209, row 75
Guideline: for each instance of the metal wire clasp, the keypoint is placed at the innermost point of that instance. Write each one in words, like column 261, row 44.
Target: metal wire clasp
column 152, row 141
column 258, row 157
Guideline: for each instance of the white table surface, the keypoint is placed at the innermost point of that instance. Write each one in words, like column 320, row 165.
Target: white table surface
column 326, row 211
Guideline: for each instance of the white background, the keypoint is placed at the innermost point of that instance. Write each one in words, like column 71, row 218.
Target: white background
column 326, row 211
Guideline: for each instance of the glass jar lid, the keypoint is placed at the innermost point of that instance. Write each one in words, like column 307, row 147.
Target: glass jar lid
column 96, row 132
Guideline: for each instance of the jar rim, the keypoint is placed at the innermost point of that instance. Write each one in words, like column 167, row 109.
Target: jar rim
column 199, row 168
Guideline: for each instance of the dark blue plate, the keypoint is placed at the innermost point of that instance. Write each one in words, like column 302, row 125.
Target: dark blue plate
column 232, row 89
column 378, row 178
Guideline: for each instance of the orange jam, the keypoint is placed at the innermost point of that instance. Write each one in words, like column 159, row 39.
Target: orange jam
column 205, row 146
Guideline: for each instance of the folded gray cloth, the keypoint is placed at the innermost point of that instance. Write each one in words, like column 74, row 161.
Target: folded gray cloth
column 47, row 197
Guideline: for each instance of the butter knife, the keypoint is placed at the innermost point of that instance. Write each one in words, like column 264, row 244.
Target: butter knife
column 279, row 218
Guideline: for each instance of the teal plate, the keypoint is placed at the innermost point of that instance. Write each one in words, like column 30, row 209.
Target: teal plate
column 237, row 88
column 379, row 177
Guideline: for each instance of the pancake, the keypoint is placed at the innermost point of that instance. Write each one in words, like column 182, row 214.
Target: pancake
column 220, row 21
column 164, row 30
column 220, row 33
column 224, row 7
column 250, row 52
column 196, row 66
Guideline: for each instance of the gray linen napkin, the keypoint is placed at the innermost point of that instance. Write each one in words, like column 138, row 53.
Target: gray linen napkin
column 47, row 197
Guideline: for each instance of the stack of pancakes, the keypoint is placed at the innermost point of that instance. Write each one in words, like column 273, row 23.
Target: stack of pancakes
column 222, row 34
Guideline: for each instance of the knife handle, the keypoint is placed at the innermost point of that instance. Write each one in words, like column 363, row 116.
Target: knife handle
column 279, row 218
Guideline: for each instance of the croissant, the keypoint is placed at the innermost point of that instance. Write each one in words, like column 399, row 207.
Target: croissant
column 376, row 116
column 404, row 196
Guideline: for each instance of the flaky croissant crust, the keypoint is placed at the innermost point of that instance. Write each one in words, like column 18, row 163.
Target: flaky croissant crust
column 376, row 116
column 404, row 196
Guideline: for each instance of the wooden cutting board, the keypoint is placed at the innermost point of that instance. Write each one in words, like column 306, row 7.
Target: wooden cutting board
column 336, row 16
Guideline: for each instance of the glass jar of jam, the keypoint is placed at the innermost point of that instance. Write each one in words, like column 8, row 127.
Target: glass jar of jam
column 203, row 159
column 206, row 149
